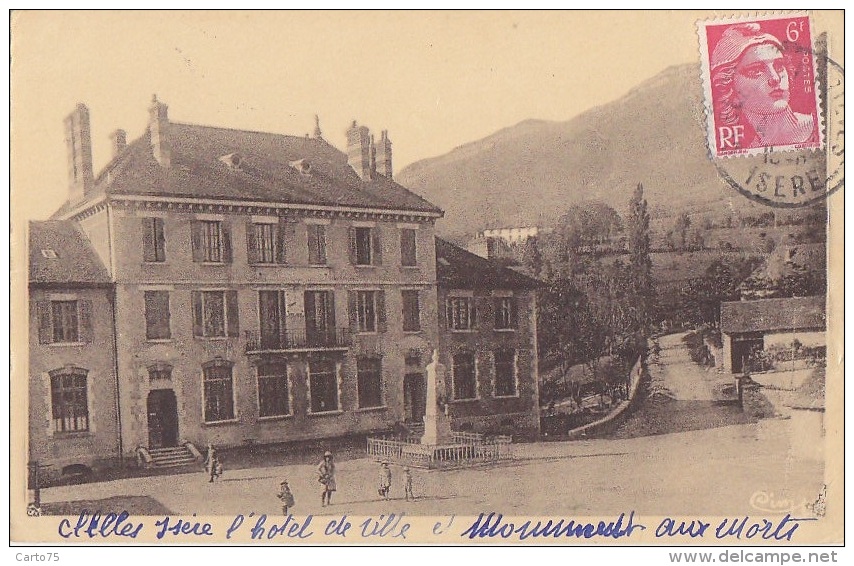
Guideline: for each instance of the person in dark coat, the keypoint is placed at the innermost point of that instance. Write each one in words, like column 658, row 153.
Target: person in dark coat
column 212, row 464
column 385, row 481
column 286, row 497
column 407, row 484
column 326, row 477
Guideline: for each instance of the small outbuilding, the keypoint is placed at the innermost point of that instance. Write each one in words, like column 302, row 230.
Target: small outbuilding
column 756, row 325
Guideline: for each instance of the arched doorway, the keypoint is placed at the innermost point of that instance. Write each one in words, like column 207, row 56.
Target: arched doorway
column 162, row 419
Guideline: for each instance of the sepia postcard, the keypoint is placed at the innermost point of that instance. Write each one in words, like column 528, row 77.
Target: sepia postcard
column 427, row 277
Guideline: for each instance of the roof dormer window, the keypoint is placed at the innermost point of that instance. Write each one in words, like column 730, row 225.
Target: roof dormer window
column 233, row 160
column 302, row 165
column 49, row 254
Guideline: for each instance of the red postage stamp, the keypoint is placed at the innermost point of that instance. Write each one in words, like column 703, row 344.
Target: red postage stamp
column 759, row 78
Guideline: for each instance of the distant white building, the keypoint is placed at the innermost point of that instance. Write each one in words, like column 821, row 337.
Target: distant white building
column 511, row 235
column 495, row 242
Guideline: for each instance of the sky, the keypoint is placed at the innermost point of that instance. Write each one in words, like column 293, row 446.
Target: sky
column 434, row 80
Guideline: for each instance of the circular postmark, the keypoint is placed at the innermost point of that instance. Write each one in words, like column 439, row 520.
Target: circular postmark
column 795, row 178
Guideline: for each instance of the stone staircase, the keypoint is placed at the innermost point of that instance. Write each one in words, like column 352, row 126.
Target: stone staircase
column 172, row 457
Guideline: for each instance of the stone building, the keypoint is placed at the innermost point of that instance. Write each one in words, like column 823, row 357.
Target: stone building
column 72, row 366
column 488, row 343
column 268, row 288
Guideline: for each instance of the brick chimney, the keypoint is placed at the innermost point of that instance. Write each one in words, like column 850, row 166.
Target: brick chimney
column 384, row 155
column 120, row 141
column 359, row 150
column 78, row 142
column 158, row 127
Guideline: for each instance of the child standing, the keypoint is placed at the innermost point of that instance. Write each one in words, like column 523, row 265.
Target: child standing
column 212, row 464
column 385, row 480
column 407, row 484
column 285, row 496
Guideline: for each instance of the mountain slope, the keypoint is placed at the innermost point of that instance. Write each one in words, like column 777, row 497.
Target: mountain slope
column 531, row 172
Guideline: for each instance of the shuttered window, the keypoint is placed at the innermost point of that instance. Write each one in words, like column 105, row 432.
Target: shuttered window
column 69, row 400
column 273, row 398
column 64, row 321
column 369, row 378
column 157, row 315
column 408, row 251
column 411, row 311
column 323, row 384
column 218, row 391
column 464, row 375
column 316, row 244
column 211, row 240
column 153, row 240
column 505, row 313
column 505, row 373
column 460, row 313
column 215, row 314
column 267, row 242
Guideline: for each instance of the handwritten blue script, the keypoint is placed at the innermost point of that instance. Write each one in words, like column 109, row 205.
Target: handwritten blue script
column 493, row 525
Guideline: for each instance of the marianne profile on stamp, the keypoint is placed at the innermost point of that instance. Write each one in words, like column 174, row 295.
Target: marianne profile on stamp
column 752, row 77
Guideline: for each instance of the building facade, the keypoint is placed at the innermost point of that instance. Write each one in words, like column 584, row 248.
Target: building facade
column 268, row 288
column 263, row 288
column 72, row 366
column 488, row 344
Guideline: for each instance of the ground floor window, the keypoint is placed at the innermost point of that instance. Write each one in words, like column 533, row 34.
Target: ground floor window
column 323, row 383
column 465, row 381
column 273, row 390
column 505, row 373
column 369, row 377
column 69, row 400
column 218, row 391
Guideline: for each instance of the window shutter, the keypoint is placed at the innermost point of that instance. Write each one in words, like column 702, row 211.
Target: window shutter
column 321, row 244
column 313, row 245
column 150, row 315
column 85, row 331
column 196, row 236
column 159, row 239
column 283, row 312
column 198, row 326
column 149, row 252
column 310, row 311
column 166, row 321
column 353, row 310
column 514, row 312
column 382, row 326
column 473, row 313
column 377, row 246
column 282, row 241
column 251, row 243
column 331, row 313
column 449, row 314
column 352, row 239
column 43, row 311
column 226, row 242
column 496, row 306
column 232, row 313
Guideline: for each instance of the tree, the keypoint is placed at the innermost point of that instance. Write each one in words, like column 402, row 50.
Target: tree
column 568, row 331
column 640, row 263
column 584, row 231
column 680, row 230
column 701, row 297
column 532, row 257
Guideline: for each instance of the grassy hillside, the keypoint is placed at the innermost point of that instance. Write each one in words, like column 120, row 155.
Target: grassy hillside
column 531, row 172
